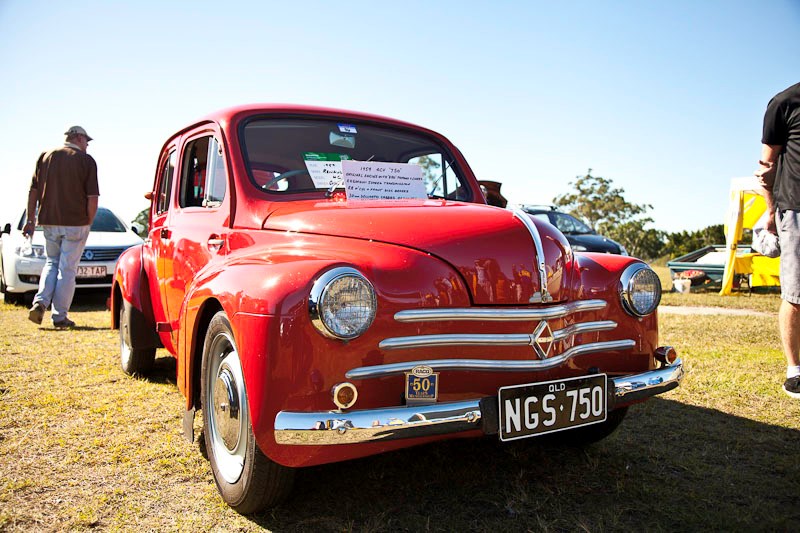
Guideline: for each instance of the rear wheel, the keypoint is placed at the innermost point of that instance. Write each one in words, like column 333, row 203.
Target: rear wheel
column 247, row 480
column 14, row 298
column 133, row 360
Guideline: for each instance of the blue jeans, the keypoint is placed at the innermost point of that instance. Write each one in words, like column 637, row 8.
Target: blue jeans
column 63, row 248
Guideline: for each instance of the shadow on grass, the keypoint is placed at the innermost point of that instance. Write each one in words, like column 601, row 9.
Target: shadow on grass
column 84, row 300
column 164, row 371
column 90, row 300
column 50, row 327
column 670, row 466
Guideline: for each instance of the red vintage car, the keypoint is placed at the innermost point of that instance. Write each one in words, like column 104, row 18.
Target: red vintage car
column 333, row 285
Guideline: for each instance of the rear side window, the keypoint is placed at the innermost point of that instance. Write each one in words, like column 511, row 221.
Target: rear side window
column 203, row 175
column 165, row 184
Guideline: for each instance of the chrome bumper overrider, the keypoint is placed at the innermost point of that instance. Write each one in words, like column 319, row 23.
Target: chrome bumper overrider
column 404, row 422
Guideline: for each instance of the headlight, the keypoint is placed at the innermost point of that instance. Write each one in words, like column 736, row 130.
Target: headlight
column 28, row 250
column 579, row 248
column 342, row 303
column 640, row 289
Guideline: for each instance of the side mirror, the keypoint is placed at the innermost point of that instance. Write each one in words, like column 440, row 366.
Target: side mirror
column 491, row 190
column 6, row 229
column 137, row 229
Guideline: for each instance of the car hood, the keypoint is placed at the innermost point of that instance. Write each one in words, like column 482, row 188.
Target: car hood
column 492, row 249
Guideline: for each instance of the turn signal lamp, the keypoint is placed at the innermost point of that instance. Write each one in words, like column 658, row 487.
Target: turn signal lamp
column 344, row 395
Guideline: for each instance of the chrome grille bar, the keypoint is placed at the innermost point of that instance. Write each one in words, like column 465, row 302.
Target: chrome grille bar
column 516, row 339
column 497, row 315
column 489, row 365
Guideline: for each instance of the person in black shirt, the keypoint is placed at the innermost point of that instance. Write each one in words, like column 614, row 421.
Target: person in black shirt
column 779, row 174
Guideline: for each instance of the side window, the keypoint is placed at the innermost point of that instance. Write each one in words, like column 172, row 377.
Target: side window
column 440, row 180
column 203, row 177
column 165, row 184
column 217, row 181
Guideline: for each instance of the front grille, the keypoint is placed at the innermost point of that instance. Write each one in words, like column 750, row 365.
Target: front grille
column 542, row 340
column 101, row 254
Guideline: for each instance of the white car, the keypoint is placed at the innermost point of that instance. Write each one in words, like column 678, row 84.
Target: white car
column 22, row 260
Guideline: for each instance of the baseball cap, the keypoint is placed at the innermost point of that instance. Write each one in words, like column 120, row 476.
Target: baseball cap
column 77, row 130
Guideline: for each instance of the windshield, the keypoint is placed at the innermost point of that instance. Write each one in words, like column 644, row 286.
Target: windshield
column 569, row 224
column 307, row 155
column 107, row 222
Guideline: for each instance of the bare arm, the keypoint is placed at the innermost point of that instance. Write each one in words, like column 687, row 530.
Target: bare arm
column 30, row 214
column 766, row 177
column 91, row 207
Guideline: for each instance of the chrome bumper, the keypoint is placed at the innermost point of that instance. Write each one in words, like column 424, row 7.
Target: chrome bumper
column 323, row 428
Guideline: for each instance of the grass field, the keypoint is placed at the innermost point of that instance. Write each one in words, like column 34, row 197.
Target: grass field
column 82, row 446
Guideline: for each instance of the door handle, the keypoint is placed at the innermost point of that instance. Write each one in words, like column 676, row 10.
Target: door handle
column 215, row 242
column 165, row 233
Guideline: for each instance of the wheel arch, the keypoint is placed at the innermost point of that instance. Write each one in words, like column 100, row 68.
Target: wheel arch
column 194, row 366
column 131, row 288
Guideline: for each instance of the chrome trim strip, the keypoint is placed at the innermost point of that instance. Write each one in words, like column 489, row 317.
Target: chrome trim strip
column 542, row 296
column 489, row 365
column 491, row 339
column 405, row 422
column 468, row 313
column 583, row 327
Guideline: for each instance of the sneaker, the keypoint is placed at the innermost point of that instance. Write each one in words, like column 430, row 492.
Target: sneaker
column 36, row 313
column 64, row 324
column 792, row 387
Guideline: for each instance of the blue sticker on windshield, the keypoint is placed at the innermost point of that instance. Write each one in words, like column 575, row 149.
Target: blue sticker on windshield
column 347, row 128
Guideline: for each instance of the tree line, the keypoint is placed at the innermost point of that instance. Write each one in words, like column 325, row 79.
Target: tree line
column 595, row 200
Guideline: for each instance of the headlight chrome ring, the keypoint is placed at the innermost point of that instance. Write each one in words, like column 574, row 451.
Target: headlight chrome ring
column 342, row 303
column 640, row 290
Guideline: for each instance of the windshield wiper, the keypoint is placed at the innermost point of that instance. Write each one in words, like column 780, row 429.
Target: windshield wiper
column 436, row 183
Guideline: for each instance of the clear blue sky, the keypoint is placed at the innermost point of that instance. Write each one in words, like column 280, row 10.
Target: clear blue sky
column 664, row 98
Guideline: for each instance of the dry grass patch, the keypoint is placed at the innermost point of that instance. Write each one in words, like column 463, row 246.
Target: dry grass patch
column 82, row 446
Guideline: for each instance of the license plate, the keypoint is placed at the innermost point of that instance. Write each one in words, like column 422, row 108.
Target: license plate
column 422, row 385
column 539, row 408
column 91, row 271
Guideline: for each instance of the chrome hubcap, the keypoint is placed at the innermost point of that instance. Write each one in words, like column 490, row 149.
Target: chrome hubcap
column 226, row 407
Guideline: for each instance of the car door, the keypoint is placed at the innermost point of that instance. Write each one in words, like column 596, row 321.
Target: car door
column 160, row 242
column 198, row 222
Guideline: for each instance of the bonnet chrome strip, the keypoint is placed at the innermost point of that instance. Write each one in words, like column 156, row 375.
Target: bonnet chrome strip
column 544, row 313
column 543, row 296
column 489, row 365
column 490, row 339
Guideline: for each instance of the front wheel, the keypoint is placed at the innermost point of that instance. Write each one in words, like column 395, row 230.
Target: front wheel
column 247, row 480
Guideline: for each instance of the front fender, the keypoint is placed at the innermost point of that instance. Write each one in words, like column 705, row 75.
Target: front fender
column 131, row 290
column 599, row 277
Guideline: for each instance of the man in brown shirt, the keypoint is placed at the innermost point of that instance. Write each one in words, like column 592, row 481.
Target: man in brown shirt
column 64, row 189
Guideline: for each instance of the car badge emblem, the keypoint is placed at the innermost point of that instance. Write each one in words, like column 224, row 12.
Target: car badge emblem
column 542, row 340
column 89, row 255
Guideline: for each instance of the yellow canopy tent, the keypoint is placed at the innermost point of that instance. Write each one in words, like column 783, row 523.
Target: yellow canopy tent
column 745, row 207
